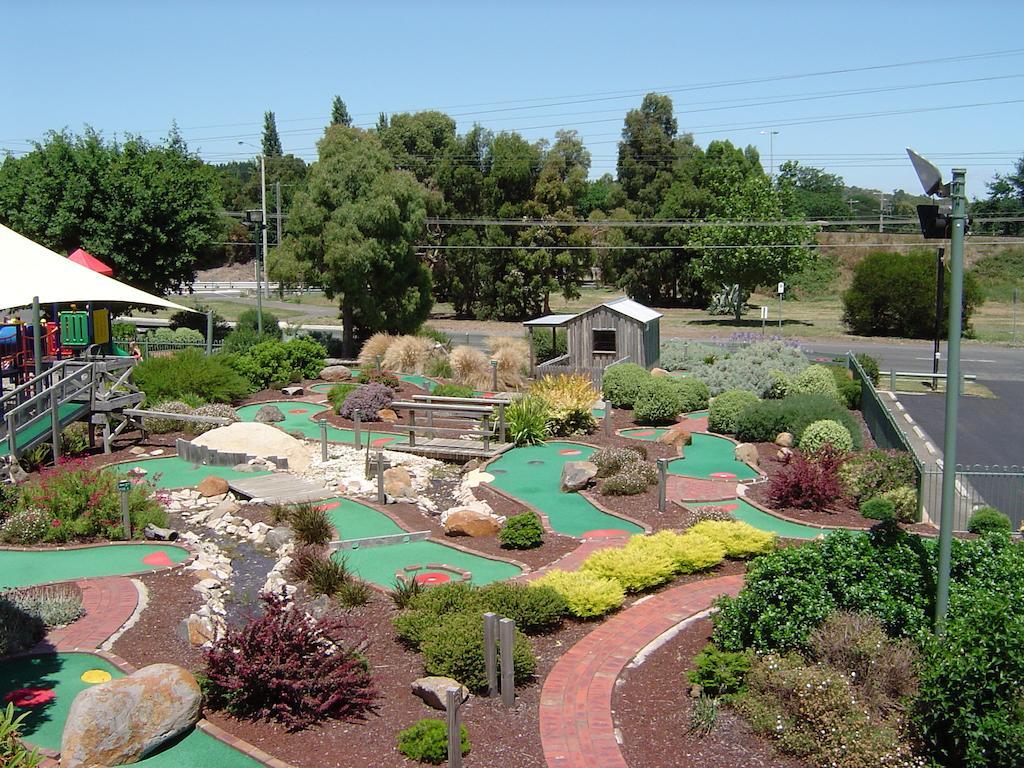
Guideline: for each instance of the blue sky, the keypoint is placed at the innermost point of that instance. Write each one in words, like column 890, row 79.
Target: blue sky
column 530, row 66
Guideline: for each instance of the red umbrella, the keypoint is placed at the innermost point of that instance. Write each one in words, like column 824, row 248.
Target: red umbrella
column 86, row 259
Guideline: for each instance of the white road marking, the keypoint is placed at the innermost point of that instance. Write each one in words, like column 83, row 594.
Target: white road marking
column 930, row 447
column 918, row 432
column 900, row 406
column 907, row 417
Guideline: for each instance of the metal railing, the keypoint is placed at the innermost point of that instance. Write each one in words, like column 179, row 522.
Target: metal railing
column 557, row 366
column 148, row 346
column 887, row 432
column 976, row 486
column 67, row 382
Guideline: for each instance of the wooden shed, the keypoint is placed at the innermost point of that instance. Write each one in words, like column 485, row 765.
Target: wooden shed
column 619, row 331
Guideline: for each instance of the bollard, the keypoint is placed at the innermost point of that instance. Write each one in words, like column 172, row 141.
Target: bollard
column 662, row 483
column 453, row 703
column 356, row 437
column 124, row 487
column 494, row 375
column 608, row 426
column 380, row 361
column 323, row 439
column 506, row 637
column 491, row 652
column 380, row 478
column 209, row 333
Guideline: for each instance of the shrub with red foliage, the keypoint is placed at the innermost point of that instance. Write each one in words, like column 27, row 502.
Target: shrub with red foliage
column 809, row 483
column 289, row 667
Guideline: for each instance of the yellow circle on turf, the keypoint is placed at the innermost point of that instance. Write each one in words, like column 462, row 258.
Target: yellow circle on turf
column 93, row 676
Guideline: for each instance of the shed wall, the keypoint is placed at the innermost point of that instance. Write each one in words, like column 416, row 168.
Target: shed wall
column 629, row 339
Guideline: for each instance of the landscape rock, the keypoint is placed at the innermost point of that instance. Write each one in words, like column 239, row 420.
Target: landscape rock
column 269, row 414
column 659, row 372
column 784, row 454
column 197, row 630
column 257, row 439
column 156, row 533
column 464, row 521
column 336, row 373
column 784, row 439
column 677, row 435
column 386, row 414
column 137, row 450
column 433, row 690
column 470, row 465
column 398, row 483
column 122, row 720
column 212, row 486
column 577, row 475
column 746, row 452
column 247, row 468
column 293, row 391
column 278, row 537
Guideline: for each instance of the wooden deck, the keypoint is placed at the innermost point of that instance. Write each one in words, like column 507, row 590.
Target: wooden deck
column 447, row 449
column 280, row 488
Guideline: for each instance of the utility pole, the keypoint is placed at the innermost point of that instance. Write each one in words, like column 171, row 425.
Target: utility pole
column 881, row 211
column 277, row 195
column 263, row 206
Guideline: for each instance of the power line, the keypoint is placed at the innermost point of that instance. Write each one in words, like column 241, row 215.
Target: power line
column 690, row 247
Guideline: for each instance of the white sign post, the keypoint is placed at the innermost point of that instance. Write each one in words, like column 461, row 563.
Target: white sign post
column 764, row 318
column 782, row 291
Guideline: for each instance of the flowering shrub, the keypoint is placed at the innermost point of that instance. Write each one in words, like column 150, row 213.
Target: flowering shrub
column 368, row 399
column 726, row 408
column 586, row 594
column 826, row 433
column 286, row 666
column 808, row 483
column 698, row 514
column 610, row 461
column 634, row 477
column 739, row 539
column 873, row 473
column 220, row 410
column 27, row 526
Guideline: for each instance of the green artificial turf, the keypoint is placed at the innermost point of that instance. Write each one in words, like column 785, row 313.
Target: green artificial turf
column 751, row 515
column 19, row 568
column 353, row 520
column 707, row 455
column 300, row 417
column 533, row 474
column 173, row 472
column 380, row 564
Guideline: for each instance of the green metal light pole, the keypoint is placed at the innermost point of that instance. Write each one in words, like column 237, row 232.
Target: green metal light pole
column 958, row 221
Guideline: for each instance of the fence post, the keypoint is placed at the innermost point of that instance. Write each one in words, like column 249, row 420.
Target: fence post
column 501, row 422
column 494, row 375
column 662, row 483
column 892, row 379
column 357, row 438
column 506, row 637
column 381, row 499
column 55, row 425
column 379, row 360
column 209, row 333
column 323, row 440
column 491, row 652
column 453, row 702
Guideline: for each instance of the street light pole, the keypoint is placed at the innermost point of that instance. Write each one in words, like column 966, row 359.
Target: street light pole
column 771, row 152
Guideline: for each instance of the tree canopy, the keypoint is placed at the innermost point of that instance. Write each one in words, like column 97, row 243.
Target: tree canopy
column 271, row 138
column 339, row 113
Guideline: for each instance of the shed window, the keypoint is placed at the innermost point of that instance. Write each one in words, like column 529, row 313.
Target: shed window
column 604, row 340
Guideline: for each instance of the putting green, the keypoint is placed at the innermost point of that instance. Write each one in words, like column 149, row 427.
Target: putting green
column 711, row 457
column 379, row 564
column 58, row 678
column 353, row 520
column 751, row 515
column 533, row 474
column 298, row 417
column 20, row 568
column 173, row 472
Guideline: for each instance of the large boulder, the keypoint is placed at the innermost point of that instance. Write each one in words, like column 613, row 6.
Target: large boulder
column 398, row 483
column 434, row 690
column 465, row 521
column 212, row 486
column 577, row 475
column 278, row 537
column 746, row 452
column 784, row 440
column 336, row 373
column 677, row 435
column 269, row 414
column 123, row 720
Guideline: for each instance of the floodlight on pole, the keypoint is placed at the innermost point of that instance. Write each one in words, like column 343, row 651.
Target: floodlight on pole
column 931, row 182
column 771, row 151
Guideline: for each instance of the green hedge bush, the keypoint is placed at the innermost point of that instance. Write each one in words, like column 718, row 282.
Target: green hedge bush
column 427, row 741
column 725, row 409
column 534, row 609
column 587, row 595
column 657, row 402
column 189, row 372
column 694, row 394
column 272, row 362
column 815, row 380
column 761, row 422
column 878, row 508
column 249, row 321
column 753, row 367
column 452, row 390
column 824, row 432
column 873, row 473
column 621, row 383
column 988, row 520
column 720, row 673
column 523, row 531
column 454, row 647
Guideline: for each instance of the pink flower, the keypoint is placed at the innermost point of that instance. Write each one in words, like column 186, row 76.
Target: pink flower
column 55, row 523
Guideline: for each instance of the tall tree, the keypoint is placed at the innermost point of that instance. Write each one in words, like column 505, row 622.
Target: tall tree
column 647, row 153
column 816, row 194
column 339, row 113
column 149, row 210
column 418, row 142
column 356, row 225
column 1006, row 197
column 271, row 139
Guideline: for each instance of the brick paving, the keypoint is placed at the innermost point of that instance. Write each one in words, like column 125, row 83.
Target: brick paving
column 679, row 488
column 576, row 725
column 109, row 602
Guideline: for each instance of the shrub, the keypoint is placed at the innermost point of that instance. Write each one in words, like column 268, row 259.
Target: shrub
column 678, row 355
column 339, row 393
column 544, row 349
column 586, row 594
column 848, row 388
column 189, row 372
column 815, row 380
column 54, row 605
column 470, row 367
column 374, row 347
column 439, row 368
column 513, row 358
column 454, row 647
column 689, row 552
column 13, row 753
column 534, row 609
column 427, row 741
column 219, row 410
column 523, row 531
column 368, row 400
column 241, row 340
column 611, row 461
column 826, row 432
column 873, row 473
column 411, row 626
column 694, row 515
column 878, row 508
column 808, row 482
column 449, row 598
column 25, row 527
column 249, row 321
column 452, row 390
column 635, row 477
column 404, row 592
column 160, row 425
column 763, row 421
column 304, row 559
column 570, row 400
column 693, row 393
column 635, row 568
column 19, row 629
column 893, row 294
column 310, row 523
column 10, row 500
column 621, row 383
column 435, row 335
column 327, row 576
column 306, row 355
column 371, row 376
column 353, row 593
column 74, row 439
column 527, row 420
column 175, row 336
column 657, row 402
column 272, row 362
column 287, row 666
column 780, row 386
column 720, row 673
column 870, row 366
column 726, row 408
column 988, row 520
column 408, row 354
column 968, row 709
column 739, row 539
column 904, row 502
column 753, row 367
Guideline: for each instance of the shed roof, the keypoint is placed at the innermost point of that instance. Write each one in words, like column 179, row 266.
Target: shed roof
column 549, row 321
column 629, row 308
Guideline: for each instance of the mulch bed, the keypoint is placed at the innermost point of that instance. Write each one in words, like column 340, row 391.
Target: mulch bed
column 155, row 637
column 652, row 709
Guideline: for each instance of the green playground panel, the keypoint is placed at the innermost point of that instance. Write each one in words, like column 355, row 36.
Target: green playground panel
column 299, row 417
column 533, row 475
column 20, row 568
column 62, row 674
column 710, row 456
column 748, row 513
column 173, row 472
column 380, row 564
column 66, row 412
column 353, row 520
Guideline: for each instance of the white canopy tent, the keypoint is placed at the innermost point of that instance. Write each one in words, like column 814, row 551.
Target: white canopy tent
column 31, row 270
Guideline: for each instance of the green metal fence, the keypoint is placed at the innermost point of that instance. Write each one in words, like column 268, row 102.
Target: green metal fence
column 887, row 433
column 977, row 485
column 147, row 346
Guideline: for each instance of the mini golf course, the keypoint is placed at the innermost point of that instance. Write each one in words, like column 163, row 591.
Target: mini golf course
column 169, row 472
column 299, row 417
column 21, row 568
column 748, row 513
column 45, row 686
column 533, row 475
column 415, row 379
column 711, row 457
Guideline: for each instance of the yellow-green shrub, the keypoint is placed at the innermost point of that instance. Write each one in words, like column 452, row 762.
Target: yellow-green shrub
column 635, row 568
column 688, row 552
column 569, row 399
column 739, row 539
column 586, row 594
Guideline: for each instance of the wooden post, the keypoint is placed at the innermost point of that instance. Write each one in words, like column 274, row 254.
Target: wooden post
column 12, row 437
column 55, row 424
column 412, row 427
column 323, row 440
column 506, row 637
column 491, row 652
column 357, row 439
column 209, row 333
column 453, row 702
column 379, row 360
column 380, row 477
column 533, row 356
column 662, row 483
column 494, row 375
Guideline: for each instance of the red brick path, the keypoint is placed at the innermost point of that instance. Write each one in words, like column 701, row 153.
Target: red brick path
column 109, row 602
column 576, row 726
column 680, row 488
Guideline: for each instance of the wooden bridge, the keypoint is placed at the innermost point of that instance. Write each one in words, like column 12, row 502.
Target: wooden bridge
column 453, row 428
